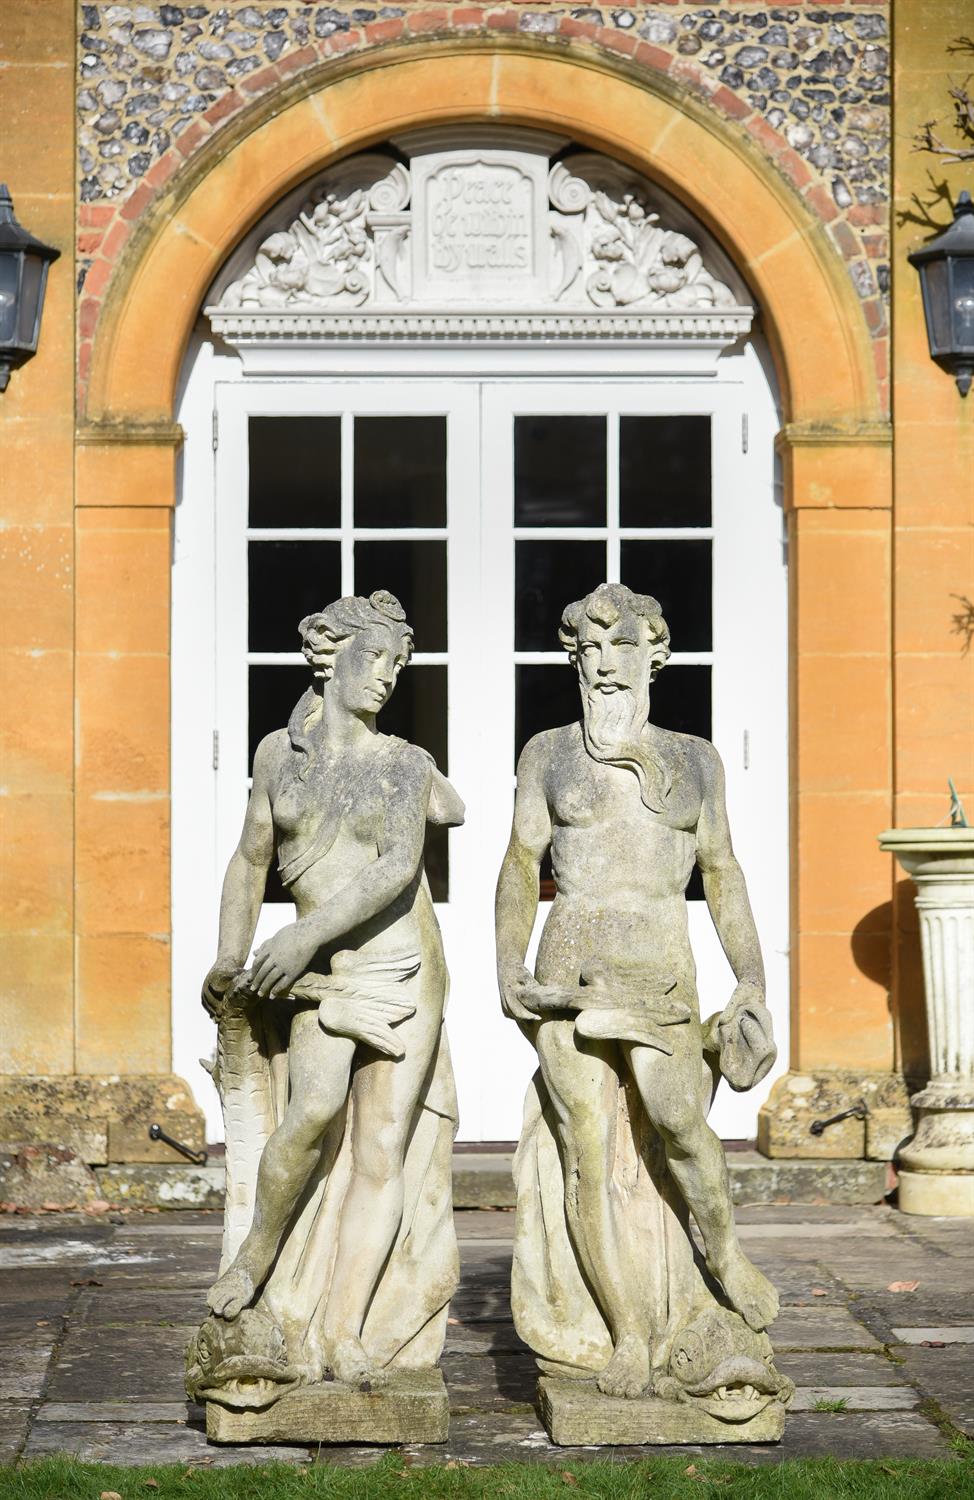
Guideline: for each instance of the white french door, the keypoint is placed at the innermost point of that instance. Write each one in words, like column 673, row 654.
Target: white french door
column 487, row 505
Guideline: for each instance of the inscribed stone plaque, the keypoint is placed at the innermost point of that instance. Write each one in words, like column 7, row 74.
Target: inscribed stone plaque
column 479, row 221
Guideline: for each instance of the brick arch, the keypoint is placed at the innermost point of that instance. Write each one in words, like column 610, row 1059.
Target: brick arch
column 169, row 241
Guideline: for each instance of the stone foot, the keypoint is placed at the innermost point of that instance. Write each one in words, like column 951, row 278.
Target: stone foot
column 350, row 1364
column 627, row 1373
column 232, row 1293
column 748, row 1290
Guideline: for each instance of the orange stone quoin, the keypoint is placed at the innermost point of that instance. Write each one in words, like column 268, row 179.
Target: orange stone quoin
column 834, row 447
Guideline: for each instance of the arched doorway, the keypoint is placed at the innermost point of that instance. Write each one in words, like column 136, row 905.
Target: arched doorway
column 484, row 368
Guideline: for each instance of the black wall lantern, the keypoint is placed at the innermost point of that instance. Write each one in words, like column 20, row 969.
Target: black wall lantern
column 23, row 280
column 946, row 267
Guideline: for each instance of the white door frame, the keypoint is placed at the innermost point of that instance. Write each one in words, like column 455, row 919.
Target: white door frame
column 756, row 765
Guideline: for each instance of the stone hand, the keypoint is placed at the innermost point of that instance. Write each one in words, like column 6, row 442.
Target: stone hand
column 747, row 993
column 282, row 960
column 217, row 982
column 366, row 1019
column 519, row 990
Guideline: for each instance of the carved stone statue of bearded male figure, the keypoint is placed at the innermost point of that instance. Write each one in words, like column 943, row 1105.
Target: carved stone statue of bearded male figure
column 616, row 1153
column 339, row 1253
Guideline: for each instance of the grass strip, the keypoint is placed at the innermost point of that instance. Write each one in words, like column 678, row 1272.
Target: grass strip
column 392, row 1477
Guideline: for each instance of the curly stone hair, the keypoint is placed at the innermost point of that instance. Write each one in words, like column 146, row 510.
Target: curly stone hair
column 604, row 605
column 321, row 635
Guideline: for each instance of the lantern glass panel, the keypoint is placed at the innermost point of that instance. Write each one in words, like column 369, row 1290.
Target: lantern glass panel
column 31, row 295
column 936, row 305
column 962, row 299
column 9, row 273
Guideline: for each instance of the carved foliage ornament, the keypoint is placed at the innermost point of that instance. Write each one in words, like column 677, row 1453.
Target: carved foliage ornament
column 353, row 242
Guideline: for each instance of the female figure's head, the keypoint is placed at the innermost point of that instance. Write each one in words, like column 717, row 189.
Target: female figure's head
column 357, row 648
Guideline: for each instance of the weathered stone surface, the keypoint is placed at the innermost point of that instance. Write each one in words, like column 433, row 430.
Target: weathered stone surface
column 328, row 1145
column 855, row 1397
column 23, row 1366
column 45, row 1177
column 14, row 1427
column 97, row 1364
column 757, row 1179
column 821, row 1328
column 945, row 1334
column 411, row 1408
column 798, row 1099
column 483, row 1180
column 133, row 1444
column 175, row 1185
column 859, row 1367
column 493, row 1383
column 754, row 1180
column 945, row 1376
column 616, row 1158
column 100, row 1118
column 577, row 1414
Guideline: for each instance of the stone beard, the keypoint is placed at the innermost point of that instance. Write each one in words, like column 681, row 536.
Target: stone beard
column 612, row 724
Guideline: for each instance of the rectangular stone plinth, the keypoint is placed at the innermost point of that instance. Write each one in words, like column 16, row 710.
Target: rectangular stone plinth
column 576, row 1414
column 411, row 1408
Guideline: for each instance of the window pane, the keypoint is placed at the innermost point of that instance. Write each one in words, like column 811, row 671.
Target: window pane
column 295, row 471
column 680, row 700
column 288, row 580
column 664, row 471
column 678, row 575
column 273, row 693
column 417, row 713
column 559, row 471
column 416, row 573
column 544, row 698
column 547, row 577
column 400, row 471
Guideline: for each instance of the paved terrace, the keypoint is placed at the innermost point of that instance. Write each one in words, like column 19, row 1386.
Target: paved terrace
column 95, row 1313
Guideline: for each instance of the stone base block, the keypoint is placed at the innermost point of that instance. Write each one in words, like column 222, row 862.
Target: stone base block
column 576, row 1414
column 937, row 1194
column 798, row 1099
column 46, row 1177
column 101, row 1118
column 411, row 1408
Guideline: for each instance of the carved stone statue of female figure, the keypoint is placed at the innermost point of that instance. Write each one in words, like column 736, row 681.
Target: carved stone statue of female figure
column 339, row 1254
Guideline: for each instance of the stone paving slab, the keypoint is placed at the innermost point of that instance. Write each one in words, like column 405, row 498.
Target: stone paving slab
column 855, row 1368
column 15, row 1419
column 23, row 1369
column 856, row 1397
column 820, row 1328
column 156, row 1443
column 944, row 1334
column 945, row 1376
column 121, row 1411
column 184, row 1308
column 99, row 1364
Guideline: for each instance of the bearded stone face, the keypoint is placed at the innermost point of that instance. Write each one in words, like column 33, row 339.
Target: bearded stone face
column 615, row 657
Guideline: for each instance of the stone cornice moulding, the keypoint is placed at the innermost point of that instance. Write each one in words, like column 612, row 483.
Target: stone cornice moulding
column 717, row 329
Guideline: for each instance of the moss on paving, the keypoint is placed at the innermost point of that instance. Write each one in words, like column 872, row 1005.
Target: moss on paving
column 391, row 1478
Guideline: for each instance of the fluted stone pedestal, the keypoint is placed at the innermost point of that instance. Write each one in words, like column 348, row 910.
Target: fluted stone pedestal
column 937, row 1165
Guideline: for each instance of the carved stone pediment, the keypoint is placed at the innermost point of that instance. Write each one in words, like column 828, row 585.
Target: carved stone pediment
column 484, row 242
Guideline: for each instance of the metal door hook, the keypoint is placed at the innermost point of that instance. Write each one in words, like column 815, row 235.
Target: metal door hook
column 859, row 1111
column 198, row 1158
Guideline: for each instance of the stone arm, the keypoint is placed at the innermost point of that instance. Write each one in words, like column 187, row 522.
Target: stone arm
column 724, row 887
column 244, row 882
column 518, row 885
column 287, row 955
